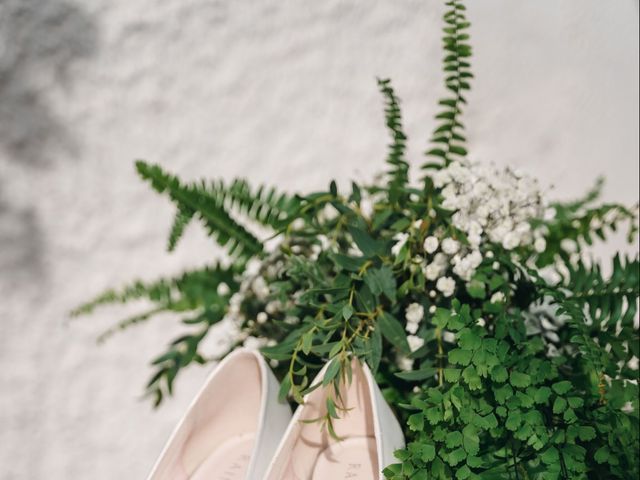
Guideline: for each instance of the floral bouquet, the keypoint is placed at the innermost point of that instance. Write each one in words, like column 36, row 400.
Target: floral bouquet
column 503, row 349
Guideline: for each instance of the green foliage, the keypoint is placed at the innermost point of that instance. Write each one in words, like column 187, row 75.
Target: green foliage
column 448, row 138
column 264, row 205
column 582, row 222
column 195, row 199
column 521, row 365
column 399, row 168
column 194, row 297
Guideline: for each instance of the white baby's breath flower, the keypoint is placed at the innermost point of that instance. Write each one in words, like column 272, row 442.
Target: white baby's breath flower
column 328, row 213
column 254, row 343
column 432, row 271
column 474, row 240
column 511, row 240
column 297, row 224
column 549, row 214
column 450, row 246
column 400, row 238
column 414, row 313
column 262, row 318
column 432, row 309
column 430, row 244
column 449, row 337
column 354, row 250
column 325, row 243
column 367, row 207
column 432, row 294
column 441, row 259
column 404, row 363
column 415, row 342
column 260, row 287
column 273, row 306
column 481, row 322
column 540, row 244
column 412, row 328
column 440, row 178
column 446, row 285
column 568, row 245
column 497, row 297
column 235, row 302
column 223, row 289
column 253, row 267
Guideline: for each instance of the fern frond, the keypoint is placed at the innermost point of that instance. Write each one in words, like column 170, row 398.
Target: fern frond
column 158, row 291
column 196, row 288
column 576, row 222
column 264, row 205
column 180, row 222
column 195, row 198
column 588, row 198
column 601, row 313
column 448, row 138
column 129, row 322
column 398, row 174
column 612, row 301
column 182, row 352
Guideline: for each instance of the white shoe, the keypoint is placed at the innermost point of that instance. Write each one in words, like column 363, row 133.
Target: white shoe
column 231, row 429
column 369, row 434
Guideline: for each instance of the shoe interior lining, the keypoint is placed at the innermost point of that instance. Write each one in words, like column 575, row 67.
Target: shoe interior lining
column 312, row 454
column 229, row 461
column 221, row 425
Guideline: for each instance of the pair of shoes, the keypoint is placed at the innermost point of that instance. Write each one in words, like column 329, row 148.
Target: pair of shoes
column 236, row 429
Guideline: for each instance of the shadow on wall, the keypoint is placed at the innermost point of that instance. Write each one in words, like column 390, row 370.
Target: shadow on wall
column 39, row 43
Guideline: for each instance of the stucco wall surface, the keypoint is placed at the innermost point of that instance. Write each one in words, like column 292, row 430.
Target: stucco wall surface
column 282, row 92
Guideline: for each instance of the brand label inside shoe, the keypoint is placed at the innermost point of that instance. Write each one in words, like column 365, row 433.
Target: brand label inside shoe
column 354, row 471
column 235, row 468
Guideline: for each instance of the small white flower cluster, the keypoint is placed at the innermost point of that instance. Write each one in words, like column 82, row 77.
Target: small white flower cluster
column 493, row 202
column 401, row 239
column 464, row 263
column 414, row 314
column 254, row 284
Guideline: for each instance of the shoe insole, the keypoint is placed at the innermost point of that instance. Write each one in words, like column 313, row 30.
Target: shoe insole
column 353, row 458
column 227, row 462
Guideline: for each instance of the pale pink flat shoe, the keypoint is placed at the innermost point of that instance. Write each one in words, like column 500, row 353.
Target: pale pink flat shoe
column 231, row 429
column 369, row 434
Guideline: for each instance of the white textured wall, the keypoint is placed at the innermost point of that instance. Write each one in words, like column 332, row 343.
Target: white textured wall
column 282, row 92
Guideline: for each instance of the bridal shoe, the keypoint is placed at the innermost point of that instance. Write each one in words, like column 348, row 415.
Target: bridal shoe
column 367, row 431
column 231, row 429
